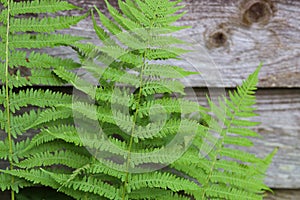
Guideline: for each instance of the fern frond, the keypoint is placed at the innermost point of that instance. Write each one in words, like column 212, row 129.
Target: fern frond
column 163, row 86
column 115, row 75
column 167, row 105
column 7, row 184
column 50, row 146
column 2, row 120
column 133, row 13
column 233, row 132
column 40, row 60
column 51, row 114
column 67, row 158
column 87, row 184
column 238, row 182
column 29, row 41
column 38, row 98
column 45, row 25
column 119, row 53
column 64, row 132
column 221, row 191
column 163, row 54
column 34, row 176
column 102, row 35
column 172, row 127
column 25, row 68
column 4, row 150
column 40, row 6
column 20, row 123
column 44, row 77
column 118, row 96
column 100, row 168
column 157, row 194
column 41, row 138
column 160, row 180
column 78, row 82
column 112, row 27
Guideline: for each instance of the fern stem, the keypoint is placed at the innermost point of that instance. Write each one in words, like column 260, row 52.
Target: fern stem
column 10, row 141
column 223, row 133
column 133, row 127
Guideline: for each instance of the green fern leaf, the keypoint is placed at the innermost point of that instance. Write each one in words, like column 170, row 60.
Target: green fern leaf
column 51, row 114
column 7, row 184
column 112, row 27
column 38, row 60
column 160, row 180
column 89, row 184
column 34, row 176
column 4, row 150
column 20, row 123
column 40, row 6
column 29, row 41
column 70, row 134
column 38, row 98
column 45, row 25
column 67, row 158
column 25, row 68
column 155, row 193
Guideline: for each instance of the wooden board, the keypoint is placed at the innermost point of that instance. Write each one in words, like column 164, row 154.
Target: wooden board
column 278, row 195
column 232, row 38
column 284, row 195
column 280, row 116
column 236, row 36
column 279, row 112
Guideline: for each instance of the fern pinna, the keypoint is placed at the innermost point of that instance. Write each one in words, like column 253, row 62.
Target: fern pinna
column 22, row 35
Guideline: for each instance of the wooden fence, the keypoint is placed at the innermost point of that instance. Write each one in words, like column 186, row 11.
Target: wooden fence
column 237, row 35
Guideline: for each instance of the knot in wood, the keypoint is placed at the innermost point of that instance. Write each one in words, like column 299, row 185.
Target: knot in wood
column 217, row 39
column 257, row 11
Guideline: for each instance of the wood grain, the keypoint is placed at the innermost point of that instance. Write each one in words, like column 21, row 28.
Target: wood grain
column 284, row 195
column 278, row 195
column 229, row 45
column 232, row 40
column 279, row 112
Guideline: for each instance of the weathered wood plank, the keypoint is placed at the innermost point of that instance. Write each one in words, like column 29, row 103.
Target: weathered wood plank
column 284, row 195
column 236, row 36
column 237, row 46
column 279, row 112
column 278, row 195
column 280, row 116
column 274, row 39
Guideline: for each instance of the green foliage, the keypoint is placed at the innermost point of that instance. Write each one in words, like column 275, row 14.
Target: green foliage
column 133, row 137
column 23, row 33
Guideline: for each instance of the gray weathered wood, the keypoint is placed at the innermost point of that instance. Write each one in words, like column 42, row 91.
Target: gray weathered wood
column 284, row 195
column 280, row 116
column 236, row 36
column 278, row 195
column 225, row 31
column 279, row 112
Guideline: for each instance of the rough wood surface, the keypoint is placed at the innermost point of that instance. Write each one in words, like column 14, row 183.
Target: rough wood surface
column 279, row 112
column 278, row 195
column 236, row 36
column 284, row 195
column 280, row 116
column 232, row 38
